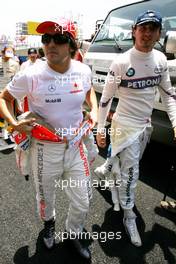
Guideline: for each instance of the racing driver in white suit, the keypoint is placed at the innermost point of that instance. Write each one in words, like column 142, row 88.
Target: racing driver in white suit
column 135, row 75
column 56, row 90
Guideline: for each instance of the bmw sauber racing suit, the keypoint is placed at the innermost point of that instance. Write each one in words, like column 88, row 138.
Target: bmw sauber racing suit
column 58, row 98
column 134, row 76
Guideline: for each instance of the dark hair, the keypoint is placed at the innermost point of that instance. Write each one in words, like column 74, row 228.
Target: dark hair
column 6, row 47
column 135, row 26
column 32, row 50
column 41, row 52
column 73, row 46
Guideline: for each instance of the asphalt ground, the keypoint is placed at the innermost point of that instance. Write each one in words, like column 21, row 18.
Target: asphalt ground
column 21, row 230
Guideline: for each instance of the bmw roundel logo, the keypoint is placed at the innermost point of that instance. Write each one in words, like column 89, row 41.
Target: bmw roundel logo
column 52, row 88
column 130, row 72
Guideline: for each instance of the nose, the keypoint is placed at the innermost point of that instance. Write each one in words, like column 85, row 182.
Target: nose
column 51, row 43
column 148, row 30
column 148, row 33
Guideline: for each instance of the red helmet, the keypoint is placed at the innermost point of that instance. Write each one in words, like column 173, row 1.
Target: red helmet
column 62, row 25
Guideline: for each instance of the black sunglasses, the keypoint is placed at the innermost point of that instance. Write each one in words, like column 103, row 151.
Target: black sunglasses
column 57, row 38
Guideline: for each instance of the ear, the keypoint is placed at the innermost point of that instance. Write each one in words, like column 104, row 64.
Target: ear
column 159, row 35
column 71, row 49
column 133, row 28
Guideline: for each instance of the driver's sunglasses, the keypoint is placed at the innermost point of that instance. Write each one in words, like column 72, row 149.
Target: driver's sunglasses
column 57, row 38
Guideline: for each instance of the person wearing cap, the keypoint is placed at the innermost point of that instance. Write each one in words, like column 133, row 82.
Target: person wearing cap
column 32, row 59
column 135, row 75
column 56, row 90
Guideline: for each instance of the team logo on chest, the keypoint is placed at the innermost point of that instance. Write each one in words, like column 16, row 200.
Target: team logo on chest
column 158, row 69
column 75, row 85
column 130, row 72
column 76, row 88
column 52, row 88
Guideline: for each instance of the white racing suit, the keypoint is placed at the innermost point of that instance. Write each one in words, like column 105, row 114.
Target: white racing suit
column 125, row 168
column 56, row 166
column 69, row 171
column 134, row 76
column 58, row 99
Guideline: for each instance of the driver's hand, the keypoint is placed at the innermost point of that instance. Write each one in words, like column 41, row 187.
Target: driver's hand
column 101, row 140
column 24, row 126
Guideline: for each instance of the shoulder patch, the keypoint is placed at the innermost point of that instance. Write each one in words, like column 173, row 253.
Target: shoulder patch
column 130, row 72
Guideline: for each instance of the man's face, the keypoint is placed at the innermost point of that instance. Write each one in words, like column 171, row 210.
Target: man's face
column 56, row 47
column 146, row 35
column 8, row 53
column 33, row 57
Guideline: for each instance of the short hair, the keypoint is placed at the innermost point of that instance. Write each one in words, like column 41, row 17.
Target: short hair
column 73, row 46
column 41, row 52
column 32, row 50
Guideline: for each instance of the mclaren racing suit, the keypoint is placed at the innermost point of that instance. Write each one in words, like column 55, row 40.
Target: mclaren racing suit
column 58, row 99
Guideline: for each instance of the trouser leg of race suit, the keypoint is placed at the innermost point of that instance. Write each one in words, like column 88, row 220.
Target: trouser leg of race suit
column 47, row 166
column 129, row 160
column 129, row 166
column 115, row 174
column 79, row 190
column 49, row 161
